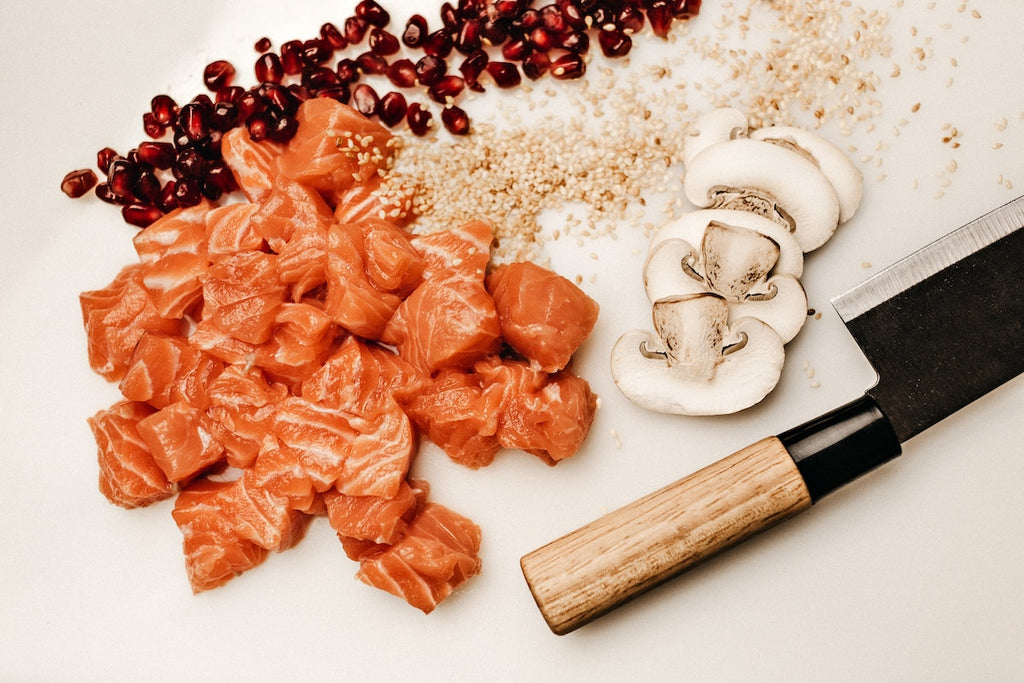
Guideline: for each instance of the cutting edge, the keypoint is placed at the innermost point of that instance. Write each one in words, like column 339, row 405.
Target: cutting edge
column 931, row 259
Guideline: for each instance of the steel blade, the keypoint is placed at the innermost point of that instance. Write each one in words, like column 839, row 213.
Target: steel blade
column 945, row 325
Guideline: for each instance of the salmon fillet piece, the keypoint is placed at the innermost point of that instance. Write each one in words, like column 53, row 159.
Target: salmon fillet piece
column 253, row 164
column 368, row 200
column 352, row 300
column 164, row 369
column 373, row 518
column 173, row 252
column 302, row 338
column 289, row 207
column 129, row 477
column 543, row 316
column 438, row 552
column 229, row 230
column 463, row 251
column 242, row 295
column 242, row 409
column 180, row 440
column 115, row 318
column 302, row 260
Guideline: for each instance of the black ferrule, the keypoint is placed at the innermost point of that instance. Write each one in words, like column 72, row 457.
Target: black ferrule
column 838, row 447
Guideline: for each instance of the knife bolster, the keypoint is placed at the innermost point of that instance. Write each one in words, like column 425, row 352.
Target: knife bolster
column 841, row 445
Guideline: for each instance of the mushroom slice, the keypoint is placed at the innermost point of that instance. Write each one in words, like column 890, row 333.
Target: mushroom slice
column 742, row 378
column 845, row 177
column 692, row 226
column 691, row 328
column 717, row 125
column 673, row 268
column 736, row 259
column 780, row 303
column 767, row 179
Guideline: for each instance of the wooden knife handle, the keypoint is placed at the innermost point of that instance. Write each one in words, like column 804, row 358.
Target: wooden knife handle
column 596, row 568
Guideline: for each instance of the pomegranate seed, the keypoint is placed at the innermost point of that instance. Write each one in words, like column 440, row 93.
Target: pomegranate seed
column 203, row 100
column 505, row 74
column 687, row 9
column 77, row 183
column 528, row 20
column 382, row 42
column 194, row 121
column 268, row 68
column 229, row 94
column 156, row 154
column 189, row 163
column 552, row 19
column 467, row 39
column 218, row 74
column 166, row 201
column 103, row 159
column 347, row 70
column 333, row 35
column 659, row 14
column 536, row 65
column 449, row 16
column 318, row 78
column 471, row 69
column 541, row 39
column 448, row 87
column 316, row 51
column 392, row 108
column 225, row 116
column 120, row 179
column 140, row 215
column 187, row 192
column 365, row 100
column 219, row 174
column 568, row 66
column 438, row 44
column 283, row 98
column 372, row 13
column 575, row 42
column 493, row 33
column 291, row 57
column 630, row 20
column 508, row 9
column 455, row 120
column 370, row 63
column 282, row 128
column 355, row 30
column 415, row 31
column 402, row 73
column 262, row 45
column 515, row 50
column 419, row 119
column 104, row 194
column 164, row 109
column 152, row 127
column 430, row 70
column 573, row 15
column 614, row 43
column 248, row 104
column 146, row 187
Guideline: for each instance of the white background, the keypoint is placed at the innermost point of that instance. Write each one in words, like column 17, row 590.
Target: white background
column 915, row 572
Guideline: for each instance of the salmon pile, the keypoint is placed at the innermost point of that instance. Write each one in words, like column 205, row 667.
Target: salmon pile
column 281, row 357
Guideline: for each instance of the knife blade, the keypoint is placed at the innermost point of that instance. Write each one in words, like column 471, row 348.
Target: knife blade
column 941, row 327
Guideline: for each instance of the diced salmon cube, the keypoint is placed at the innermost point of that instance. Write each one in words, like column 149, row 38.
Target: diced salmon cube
column 242, row 294
column 129, row 476
column 254, row 164
column 180, row 440
column 164, row 369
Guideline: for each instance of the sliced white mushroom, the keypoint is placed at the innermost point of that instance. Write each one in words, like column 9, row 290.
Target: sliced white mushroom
column 675, row 267
column 692, row 226
column 717, row 125
column 845, row 177
column 767, row 179
column 736, row 259
column 748, row 366
column 691, row 328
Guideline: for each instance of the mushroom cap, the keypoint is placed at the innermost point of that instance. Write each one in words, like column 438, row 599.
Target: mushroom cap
column 664, row 275
column 692, row 226
column 785, row 311
column 845, row 177
column 778, row 182
column 717, row 125
column 742, row 379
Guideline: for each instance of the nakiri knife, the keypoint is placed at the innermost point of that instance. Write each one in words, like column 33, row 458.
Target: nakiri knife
column 942, row 327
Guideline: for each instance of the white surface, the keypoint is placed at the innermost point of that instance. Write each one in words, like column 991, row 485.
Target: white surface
column 914, row 573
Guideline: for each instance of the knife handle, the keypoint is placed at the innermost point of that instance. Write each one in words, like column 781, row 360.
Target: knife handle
column 596, row 568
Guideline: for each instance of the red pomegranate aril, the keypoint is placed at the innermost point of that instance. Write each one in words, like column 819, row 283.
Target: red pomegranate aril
column 339, row 92
column 282, row 128
column 263, row 44
column 574, row 41
column 438, row 44
column 568, row 66
column 140, row 215
column 392, row 108
column 630, row 20
column 164, row 109
column 449, row 16
column 573, row 15
column 372, row 13
column 528, row 20
column 383, row 42
column 415, row 31
column 505, row 74
column 536, row 65
column 218, row 74
column 333, row 35
column 493, row 33
column 614, row 43
column 152, row 127
column 104, row 194
column 448, row 87
column 194, row 121
column 166, row 201
column 355, row 30
column 316, row 51
column 230, row 94
column 77, row 183
column 347, row 70
column 291, row 57
column 471, row 69
column 187, row 192
column 541, row 39
column 373, row 64
column 258, row 126
column 269, row 69
column 146, row 187
column 157, row 154
column 552, row 19
column 687, row 8
column 430, row 70
column 248, row 104
column 189, row 163
column 365, row 99
column 660, row 15
column 455, row 120
column 402, row 73
column 103, row 159
column 515, row 50
column 467, row 39
column 508, row 9
column 419, row 119
column 120, row 179
column 318, row 78
column 219, row 174
column 286, row 100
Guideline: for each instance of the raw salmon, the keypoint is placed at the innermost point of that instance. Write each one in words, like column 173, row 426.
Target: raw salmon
column 372, row 518
column 115, row 318
column 172, row 251
column 242, row 295
column 438, row 552
column 302, row 338
column 180, row 440
column 302, row 260
column 253, row 164
column 287, row 208
column 367, row 200
column 129, row 477
column 164, row 369
column 242, row 409
column 352, row 300
column 463, row 251
column 543, row 316
column 229, row 230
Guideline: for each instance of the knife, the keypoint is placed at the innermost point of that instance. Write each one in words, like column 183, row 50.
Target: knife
column 942, row 327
